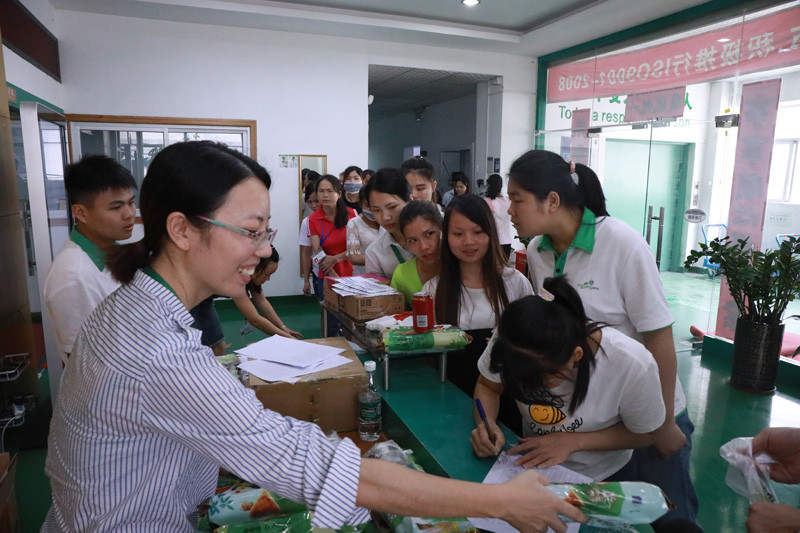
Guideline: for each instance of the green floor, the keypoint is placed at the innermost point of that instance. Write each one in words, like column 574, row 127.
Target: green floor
column 719, row 412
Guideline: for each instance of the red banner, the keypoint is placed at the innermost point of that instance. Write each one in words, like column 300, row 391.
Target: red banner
column 760, row 44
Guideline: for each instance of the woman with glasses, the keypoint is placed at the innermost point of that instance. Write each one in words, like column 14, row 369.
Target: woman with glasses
column 147, row 416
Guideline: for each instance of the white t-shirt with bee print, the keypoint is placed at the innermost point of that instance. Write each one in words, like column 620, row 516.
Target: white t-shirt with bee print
column 621, row 388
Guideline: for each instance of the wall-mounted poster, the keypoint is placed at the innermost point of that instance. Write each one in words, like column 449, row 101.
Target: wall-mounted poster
column 288, row 160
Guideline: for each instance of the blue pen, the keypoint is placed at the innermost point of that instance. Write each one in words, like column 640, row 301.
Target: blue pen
column 482, row 414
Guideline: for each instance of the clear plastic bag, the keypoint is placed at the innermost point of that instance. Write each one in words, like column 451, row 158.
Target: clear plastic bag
column 748, row 475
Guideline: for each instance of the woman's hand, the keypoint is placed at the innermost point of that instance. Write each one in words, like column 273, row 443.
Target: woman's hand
column 773, row 518
column 481, row 442
column 783, row 445
column 669, row 439
column 292, row 333
column 307, row 287
column 327, row 264
column 547, row 450
column 532, row 508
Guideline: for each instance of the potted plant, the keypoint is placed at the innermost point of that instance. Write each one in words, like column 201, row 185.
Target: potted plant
column 762, row 284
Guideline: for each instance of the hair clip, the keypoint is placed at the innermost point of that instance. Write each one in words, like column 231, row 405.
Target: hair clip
column 572, row 173
column 545, row 295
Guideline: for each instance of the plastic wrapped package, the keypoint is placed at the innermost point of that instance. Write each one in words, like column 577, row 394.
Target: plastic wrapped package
column 293, row 523
column 615, row 504
column 243, row 503
column 390, row 451
column 405, row 339
column 748, row 475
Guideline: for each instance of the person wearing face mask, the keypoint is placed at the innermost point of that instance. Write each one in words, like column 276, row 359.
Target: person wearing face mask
column 361, row 232
column 421, row 224
column 351, row 184
column 388, row 193
column 256, row 309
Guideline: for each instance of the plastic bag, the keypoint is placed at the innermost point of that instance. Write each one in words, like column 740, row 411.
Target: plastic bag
column 244, row 502
column 615, row 504
column 406, row 339
column 293, row 523
column 748, row 475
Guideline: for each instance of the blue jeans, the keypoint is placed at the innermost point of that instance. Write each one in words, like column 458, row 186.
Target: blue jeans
column 671, row 475
column 207, row 321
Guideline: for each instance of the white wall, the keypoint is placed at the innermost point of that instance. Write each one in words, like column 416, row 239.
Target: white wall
column 448, row 125
column 308, row 93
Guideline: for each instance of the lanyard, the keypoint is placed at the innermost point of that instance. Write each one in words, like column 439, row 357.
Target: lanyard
column 323, row 236
column 397, row 254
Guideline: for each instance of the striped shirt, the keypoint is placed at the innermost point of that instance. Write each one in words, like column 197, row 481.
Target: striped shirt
column 147, row 416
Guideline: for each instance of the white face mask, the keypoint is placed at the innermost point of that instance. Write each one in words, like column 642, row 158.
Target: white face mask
column 352, row 187
column 367, row 214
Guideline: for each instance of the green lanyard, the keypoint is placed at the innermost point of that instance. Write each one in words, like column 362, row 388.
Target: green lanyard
column 397, row 254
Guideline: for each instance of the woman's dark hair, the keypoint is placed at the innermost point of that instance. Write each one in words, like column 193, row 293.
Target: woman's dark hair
column 420, row 209
column 418, row 165
column 494, row 184
column 460, row 177
column 526, row 356
column 193, row 178
column 367, row 174
column 263, row 263
column 349, row 170
column 341, row 217
column 389, row 181
column 311, row 188
column 447, row 304
column 541, row 172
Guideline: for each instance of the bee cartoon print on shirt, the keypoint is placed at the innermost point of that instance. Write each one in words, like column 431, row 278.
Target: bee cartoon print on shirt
column 546, row 414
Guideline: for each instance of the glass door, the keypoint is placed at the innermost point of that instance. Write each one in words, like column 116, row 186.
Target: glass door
column 44, row 152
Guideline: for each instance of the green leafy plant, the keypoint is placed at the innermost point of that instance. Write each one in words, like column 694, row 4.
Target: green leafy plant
column 761, row 283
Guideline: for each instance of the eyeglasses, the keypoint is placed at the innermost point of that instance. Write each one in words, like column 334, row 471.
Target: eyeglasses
column 257, row 238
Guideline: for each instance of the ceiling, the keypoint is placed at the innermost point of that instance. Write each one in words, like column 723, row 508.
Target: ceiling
column 530, row 28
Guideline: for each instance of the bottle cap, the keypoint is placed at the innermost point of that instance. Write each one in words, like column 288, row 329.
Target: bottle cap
column 369, row 366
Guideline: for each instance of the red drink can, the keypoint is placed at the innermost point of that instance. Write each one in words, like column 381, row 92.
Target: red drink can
column 422, row 307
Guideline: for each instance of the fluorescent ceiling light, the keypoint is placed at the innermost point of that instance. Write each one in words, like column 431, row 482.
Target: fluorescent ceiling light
column 470, row 3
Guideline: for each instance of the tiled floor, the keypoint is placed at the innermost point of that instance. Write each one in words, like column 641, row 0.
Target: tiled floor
column 719, row 412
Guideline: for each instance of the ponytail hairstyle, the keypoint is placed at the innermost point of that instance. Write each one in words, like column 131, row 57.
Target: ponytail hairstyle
column 494, row 184
column 541, row 172
column 419, row 209
column 341, row 217
column 526, row 356
column 193, row 178
column 447, row 302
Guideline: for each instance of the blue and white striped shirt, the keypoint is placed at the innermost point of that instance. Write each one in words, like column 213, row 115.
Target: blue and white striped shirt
column 147, row 416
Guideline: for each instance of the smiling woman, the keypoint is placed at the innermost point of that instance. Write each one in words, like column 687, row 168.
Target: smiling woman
column 147, row 416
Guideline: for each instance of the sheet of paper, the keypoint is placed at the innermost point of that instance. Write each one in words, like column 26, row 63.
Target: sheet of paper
column 361, row 286
column 505, row 469
column 269, row 371
column 289, row 351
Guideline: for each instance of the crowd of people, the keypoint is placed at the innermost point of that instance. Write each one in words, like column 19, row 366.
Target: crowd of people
column 577, row 358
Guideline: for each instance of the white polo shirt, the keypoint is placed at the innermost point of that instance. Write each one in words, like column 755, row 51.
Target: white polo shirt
column 303, row 239
column 621, row 386
column 476, row 310
column 381, row 256
column 78, row 280
column 614, row 271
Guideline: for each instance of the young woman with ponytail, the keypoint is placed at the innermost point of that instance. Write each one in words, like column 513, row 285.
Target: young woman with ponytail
column 562, row 206
column 146, row 415
column 584, row 390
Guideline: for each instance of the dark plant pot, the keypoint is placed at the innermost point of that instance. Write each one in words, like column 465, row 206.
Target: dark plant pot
column 756, row 352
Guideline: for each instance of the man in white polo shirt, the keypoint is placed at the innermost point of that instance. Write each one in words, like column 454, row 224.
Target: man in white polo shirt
column 101, row 197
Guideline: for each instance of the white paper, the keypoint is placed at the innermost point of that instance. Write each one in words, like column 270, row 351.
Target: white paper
column 356, row 285
column 504, row 469
column 269, row 371
column 290, row 352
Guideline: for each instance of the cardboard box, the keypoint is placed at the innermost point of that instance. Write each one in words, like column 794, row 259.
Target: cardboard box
column 328, row 398
column 362, row 308
column 9, row 519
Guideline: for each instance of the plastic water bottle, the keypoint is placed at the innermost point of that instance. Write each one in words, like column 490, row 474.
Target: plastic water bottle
column 369, row 408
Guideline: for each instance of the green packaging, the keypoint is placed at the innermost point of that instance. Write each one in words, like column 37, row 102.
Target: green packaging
column 405, row 339
column 615, row 503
